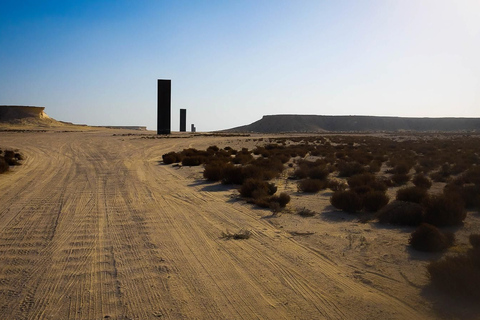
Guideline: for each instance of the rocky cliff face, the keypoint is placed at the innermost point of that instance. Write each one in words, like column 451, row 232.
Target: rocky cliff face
column 11, row 113
column 315, row 123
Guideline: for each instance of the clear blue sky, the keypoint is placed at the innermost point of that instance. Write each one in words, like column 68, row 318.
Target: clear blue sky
column 231, row 62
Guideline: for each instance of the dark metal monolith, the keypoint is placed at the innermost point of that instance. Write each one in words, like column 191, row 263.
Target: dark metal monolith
column 164, row 109
column 183, row 120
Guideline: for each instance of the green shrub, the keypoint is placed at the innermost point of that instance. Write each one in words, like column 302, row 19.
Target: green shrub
column 347, row 201
column 429, row 238
column 444, row 210
column 412, row 194
column 401, row 213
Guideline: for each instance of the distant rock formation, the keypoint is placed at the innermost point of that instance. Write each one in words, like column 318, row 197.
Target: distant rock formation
column 11, row 113
column 316, row 123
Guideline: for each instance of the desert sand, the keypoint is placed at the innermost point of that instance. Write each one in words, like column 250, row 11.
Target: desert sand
column 94, row 226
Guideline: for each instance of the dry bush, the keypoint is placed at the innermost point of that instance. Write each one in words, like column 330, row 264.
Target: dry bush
column 401, row 168
column 421, row 181
column 4, row 167
column 347, row 201
column 283, row 199
column 348, row 169
column 444, row 210
column 215, row 171
column 242, row 158
column 470, row 194
column 374, row 200
column 336, row 185
column 412, row 194
column 475, row 240
column 233, row 175
column 254, row 188
column 429, row 238
column 311, row 185
column 401, row 213
column 458, row 275
column 363, row 179
column 192, row 161
column 359, row 181
column 400, row 178
column 306, row 212
column 242, row 234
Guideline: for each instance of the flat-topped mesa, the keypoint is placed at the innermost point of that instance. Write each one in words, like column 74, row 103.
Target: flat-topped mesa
column 8, row 113
column 322, row 123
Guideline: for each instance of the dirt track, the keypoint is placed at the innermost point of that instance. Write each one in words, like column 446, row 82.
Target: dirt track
column 92, row 226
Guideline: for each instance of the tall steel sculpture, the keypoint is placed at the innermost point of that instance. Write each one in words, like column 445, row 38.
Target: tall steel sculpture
column 183, row 120
column 164, row 92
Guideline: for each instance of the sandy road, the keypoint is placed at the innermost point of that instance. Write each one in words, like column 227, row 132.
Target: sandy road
column 92, row 227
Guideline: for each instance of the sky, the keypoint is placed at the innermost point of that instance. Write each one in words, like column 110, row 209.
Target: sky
column 232, row 62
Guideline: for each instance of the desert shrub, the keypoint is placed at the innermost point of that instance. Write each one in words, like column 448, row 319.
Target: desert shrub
column 347, row 201
column 242, row 158
column 421, row 181
column 276, row 203
column 362, row 179
column 412, row 194
column 213, row 149
column 192, row 161
column 369, row 180
column 319, row 173
column 233, row 175
column 214, row 171
column 470, row 194
column 361, row 190
column 306, row 212
column 336, row 185
column 311, row 185
column 400, row 178
column 254, row 188
column 170, row 158
column 401, row 168
column 444, row 210
column 401, row 213
column 429, row 238
column 242, row 234
column 4, row 167
column 475, row 240
column 348, row 169
column 283, row 199
column 374, row 166
column 374, row 200
column 457, row 275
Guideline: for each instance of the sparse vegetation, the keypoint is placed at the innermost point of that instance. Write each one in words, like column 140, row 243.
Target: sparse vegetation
column 429, row 238
column 401, row 213
column 240, row 235
column 458, row 275
column 9, row 158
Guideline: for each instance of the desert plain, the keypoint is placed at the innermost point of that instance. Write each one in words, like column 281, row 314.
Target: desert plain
column 94, row 226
